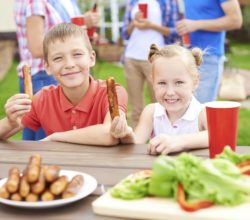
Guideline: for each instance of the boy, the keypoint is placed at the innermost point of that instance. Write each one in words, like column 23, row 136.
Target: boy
column 76, row 110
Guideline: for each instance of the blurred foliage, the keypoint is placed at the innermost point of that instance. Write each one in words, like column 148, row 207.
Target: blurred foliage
column 86, row 5
column 243, row 34
column 238, row 57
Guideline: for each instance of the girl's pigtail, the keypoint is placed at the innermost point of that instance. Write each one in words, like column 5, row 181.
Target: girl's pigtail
column 153, row 51
column 197, row 53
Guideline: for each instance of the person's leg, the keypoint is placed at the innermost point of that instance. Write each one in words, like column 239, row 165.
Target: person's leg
column 210, row 76
column 39, row 80
column 147, row 70
column 135, row 82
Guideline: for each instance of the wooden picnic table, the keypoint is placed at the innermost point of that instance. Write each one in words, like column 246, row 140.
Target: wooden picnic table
column 107, row 164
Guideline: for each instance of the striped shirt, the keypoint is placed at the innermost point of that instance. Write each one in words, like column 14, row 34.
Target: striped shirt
column 52, row 16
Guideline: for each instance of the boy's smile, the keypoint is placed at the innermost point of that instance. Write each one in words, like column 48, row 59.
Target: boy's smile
column 69, row 61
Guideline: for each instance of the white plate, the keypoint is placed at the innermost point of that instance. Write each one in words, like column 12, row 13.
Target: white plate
column 89, row 185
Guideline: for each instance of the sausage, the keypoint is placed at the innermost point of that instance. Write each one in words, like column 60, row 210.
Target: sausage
column 31, row 197
column 33, row 169
column 112, row 98
column 24, row 188
column 59, row 185
column 16, row 197
column 39, row 186
column 27, row 81
column 73, row 187
column 13, row 180
column 51, row 173
column 4, row 192
column 47, row 196
column 35, row 159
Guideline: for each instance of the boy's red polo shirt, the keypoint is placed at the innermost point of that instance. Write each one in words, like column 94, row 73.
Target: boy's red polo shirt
column 52, row 111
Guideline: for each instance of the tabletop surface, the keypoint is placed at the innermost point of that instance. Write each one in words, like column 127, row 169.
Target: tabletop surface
column 107, row 164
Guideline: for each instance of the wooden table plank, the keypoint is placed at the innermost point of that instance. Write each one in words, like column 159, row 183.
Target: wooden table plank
column 81, row 159
column 68, row 212
column 67, row 147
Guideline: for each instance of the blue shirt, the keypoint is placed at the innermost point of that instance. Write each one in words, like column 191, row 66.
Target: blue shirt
column 212, row 41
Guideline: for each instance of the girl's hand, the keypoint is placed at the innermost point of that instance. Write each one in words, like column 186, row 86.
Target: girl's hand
column 119, row 127
column 15, row 108
column 185, row 26
column 163, row 144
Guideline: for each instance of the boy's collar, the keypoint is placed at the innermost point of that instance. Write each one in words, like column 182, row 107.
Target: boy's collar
column 86, row 101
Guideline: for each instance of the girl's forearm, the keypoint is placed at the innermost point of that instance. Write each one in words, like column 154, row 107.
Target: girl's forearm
column 193, row 141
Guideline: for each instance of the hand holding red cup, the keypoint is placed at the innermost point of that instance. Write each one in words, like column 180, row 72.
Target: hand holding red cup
column 78, row 20
column 143, row 7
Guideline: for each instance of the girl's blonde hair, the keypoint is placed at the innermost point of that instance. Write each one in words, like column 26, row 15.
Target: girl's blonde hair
column 191, row 58
column 62, row 32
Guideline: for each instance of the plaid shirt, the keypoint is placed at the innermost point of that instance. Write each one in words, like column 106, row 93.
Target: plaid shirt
column 52, row 16
column 170, row 16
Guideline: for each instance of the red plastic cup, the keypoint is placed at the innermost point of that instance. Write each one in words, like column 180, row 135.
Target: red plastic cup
column 222, row 122
column 143, row 7
column 186, row 40
column 91, row 31
column 78, row 20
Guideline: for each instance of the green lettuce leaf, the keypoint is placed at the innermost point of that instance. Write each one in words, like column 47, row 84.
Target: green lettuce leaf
column 232, row 156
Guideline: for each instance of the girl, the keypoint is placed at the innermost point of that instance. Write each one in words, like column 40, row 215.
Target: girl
column 177, row 121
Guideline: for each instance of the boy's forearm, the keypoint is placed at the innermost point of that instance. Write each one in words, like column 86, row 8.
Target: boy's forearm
column 92, row 135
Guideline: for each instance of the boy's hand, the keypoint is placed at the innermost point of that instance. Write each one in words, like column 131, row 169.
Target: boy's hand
column 15, row 107
column 163, row 144
column 119, row 127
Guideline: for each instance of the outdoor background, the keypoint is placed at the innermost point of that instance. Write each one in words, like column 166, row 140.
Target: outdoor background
column 238, row 56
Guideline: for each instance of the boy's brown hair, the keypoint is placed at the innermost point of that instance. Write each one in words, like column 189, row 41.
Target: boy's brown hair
column 61, row 32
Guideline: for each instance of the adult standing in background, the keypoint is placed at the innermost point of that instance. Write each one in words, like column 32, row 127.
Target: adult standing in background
column 33, row 19
column 207, row 21
column 157, row 28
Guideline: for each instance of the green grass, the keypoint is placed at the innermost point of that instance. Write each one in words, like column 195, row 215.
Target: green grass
column 244, row 127
column 239, row 57
column 8, row 87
